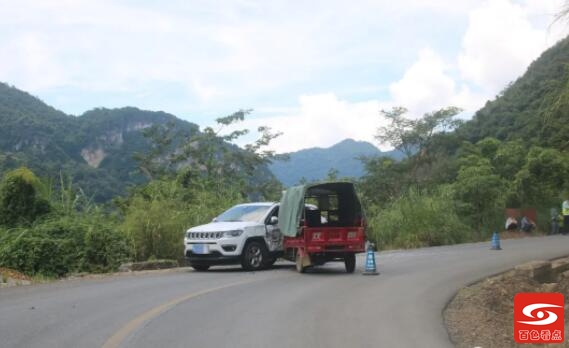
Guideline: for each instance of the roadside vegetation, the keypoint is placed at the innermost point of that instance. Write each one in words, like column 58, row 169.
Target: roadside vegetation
column 52, row 233
column 53, row 229
column 449, row 190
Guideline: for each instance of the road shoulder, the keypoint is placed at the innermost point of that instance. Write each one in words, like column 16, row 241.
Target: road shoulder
column 481, row 315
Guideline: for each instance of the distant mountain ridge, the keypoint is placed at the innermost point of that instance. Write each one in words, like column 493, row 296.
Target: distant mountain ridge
column 95, row 149
column 315, row 163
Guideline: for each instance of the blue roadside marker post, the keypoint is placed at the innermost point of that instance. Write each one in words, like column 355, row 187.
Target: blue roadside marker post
column 370, row 267
column 495, row 245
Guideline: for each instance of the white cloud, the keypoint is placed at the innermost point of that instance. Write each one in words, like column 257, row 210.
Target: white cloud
column 425, row 86
column 249, row 53
column 205, row 93
column 428, row 85
column 243, row 48
column 501, row 40
column 107, row 46
column 35, row 62
column 467, row 100
column 321, row 121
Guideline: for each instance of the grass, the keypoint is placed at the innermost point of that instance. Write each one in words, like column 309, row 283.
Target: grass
column 41, row 278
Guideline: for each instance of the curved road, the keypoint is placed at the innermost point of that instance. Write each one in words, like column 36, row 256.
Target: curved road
column 227, row 307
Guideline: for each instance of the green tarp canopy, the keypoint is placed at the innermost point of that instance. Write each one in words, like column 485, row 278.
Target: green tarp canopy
column 291, row 209
column 292, row 204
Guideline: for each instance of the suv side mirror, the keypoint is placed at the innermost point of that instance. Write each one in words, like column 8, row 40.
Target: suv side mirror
column 274, row 220
column 214, row 219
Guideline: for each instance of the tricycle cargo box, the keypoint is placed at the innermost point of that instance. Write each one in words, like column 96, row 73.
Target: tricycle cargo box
column 333, row 204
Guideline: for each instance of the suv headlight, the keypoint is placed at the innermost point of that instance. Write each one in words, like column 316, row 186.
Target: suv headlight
column 233, row 233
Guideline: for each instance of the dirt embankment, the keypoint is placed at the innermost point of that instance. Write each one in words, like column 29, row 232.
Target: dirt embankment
column 481, row 315
column 9, row 277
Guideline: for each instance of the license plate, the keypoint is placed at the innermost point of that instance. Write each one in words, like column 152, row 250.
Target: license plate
column 200, row 249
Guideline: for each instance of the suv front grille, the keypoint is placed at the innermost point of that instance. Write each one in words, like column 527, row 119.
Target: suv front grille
column 204, row 235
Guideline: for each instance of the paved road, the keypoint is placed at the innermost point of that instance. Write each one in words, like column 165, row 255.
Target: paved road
column 402, row 307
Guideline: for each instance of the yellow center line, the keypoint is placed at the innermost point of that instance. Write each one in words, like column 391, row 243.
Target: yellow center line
column 115, row 340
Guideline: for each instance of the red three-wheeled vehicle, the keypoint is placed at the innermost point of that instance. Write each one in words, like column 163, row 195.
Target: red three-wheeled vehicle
column 321, row 223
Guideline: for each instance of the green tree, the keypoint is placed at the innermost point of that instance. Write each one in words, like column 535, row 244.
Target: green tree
column 415, row 135
column 385, row 180
column 213, row 159
column 543, row 177
column 400, row 132
column 509, row 159
column 481, row 193
column 417, row 138
column 208, row 158
column 488, row 147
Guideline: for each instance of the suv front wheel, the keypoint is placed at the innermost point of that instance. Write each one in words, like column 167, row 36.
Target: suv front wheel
column 254, row 256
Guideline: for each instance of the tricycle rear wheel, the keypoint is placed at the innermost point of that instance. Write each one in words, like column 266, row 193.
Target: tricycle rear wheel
column 350, row 262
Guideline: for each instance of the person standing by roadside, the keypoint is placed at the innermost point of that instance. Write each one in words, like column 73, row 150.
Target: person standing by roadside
column 565, row 212
column 555, row 226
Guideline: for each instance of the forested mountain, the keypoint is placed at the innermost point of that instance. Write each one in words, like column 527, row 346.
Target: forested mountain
column 534, row 108
column 315, row 163
column 95, row 149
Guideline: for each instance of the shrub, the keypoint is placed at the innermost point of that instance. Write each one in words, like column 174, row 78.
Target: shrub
column 72, row 235
column 104, row 249
column 37, row 255
column 418, row 219
column 155, row 220
column 20, row 203
column 66, row 244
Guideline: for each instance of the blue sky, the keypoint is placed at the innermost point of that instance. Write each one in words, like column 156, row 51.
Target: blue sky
column 319, row 71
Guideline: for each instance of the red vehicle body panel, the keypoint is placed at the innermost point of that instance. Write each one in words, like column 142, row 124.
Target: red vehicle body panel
column 328, row 240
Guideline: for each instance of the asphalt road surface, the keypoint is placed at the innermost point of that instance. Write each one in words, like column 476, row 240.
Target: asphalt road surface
column 226, row 307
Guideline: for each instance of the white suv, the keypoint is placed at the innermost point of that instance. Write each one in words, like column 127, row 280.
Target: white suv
column 246, row 233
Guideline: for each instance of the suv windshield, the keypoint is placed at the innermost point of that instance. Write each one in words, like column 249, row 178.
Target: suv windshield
column 244, row 213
